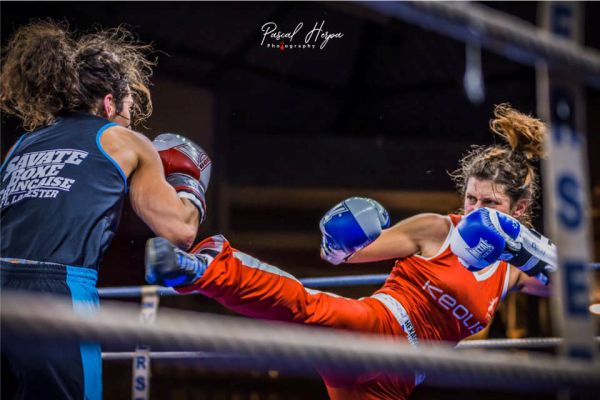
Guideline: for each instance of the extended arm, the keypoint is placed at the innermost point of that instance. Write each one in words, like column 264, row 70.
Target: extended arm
column 354, row 232
column 153, row 199
column 421, row 234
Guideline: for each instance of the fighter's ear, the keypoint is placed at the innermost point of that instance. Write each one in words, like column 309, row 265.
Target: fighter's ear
column 109, row 107
column 520, row 208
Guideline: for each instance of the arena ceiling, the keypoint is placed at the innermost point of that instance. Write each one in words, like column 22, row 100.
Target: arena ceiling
column 382, row 107
column 383, row 81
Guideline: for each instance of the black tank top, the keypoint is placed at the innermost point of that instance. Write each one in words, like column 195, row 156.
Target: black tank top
column 61, row 194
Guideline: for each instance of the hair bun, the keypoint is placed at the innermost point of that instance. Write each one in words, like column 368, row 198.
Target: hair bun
column 522, row 132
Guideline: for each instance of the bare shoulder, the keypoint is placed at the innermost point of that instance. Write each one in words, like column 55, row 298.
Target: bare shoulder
column 430, row 224
column 125, row 138
column 440, row 222
column 126, row 147
column 423, row 229
column 430, row 232
column 122, row 135
column 436, row 219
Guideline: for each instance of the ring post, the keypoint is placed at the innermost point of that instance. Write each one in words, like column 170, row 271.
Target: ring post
column 140, row 384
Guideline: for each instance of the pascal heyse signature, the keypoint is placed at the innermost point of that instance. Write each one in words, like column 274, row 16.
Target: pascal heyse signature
column 317, row 35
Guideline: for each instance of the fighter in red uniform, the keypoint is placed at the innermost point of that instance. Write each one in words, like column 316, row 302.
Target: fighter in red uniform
column 450, row 274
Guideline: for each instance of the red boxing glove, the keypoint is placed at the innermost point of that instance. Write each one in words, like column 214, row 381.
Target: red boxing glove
column 187, row 168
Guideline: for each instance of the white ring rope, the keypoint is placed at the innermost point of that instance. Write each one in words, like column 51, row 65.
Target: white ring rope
column 285, row 345
column 167, row 355
column 525, row 343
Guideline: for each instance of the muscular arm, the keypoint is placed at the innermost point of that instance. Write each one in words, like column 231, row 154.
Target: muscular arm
column 423, row 233
column 152, row 198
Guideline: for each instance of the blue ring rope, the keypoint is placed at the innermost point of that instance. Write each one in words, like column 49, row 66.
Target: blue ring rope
column 328, row 281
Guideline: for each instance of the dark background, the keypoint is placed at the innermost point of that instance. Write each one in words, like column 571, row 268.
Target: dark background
column 380, row 112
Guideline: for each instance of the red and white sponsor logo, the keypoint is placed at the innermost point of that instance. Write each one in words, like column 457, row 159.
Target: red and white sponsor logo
column 459, row 311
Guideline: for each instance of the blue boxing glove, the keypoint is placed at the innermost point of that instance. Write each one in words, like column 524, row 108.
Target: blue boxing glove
column 170, row 266
column 477, row 241
column 350, row 226
column 487, row 235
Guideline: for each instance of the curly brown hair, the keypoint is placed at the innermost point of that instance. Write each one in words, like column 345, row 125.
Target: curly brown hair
column 38, row 78
column 112, row 61
column 47, row 70
column 511, row 164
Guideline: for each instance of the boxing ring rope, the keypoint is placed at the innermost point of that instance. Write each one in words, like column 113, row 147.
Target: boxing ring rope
column 526, row 343
column 150, row 297
column 293, row 347
column 167, row 355
column 320, row 282
column 334, row 281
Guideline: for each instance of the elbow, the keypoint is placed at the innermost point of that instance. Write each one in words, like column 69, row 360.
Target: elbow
column 187, row 236
column 532, row 286
column 185, row 243
column 183, row 236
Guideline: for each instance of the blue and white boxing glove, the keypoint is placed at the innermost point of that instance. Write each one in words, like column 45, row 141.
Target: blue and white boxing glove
column 350, row 226
column 170, row 266
column 486, row 235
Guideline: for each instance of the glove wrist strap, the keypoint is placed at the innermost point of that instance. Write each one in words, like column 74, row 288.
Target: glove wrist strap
column 189, row 188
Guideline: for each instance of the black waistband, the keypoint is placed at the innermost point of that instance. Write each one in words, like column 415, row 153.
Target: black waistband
column 26, row 269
